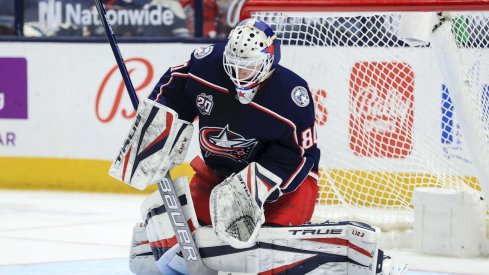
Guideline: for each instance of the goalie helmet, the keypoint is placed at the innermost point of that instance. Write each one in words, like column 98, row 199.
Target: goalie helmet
column 250, row 56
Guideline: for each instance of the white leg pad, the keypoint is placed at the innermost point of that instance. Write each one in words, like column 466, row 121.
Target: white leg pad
column 172, row 264
column 330, row 248
column 159, row 230
column 141, row 259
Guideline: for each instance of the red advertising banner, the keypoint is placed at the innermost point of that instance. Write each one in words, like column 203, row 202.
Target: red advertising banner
column 381, row 109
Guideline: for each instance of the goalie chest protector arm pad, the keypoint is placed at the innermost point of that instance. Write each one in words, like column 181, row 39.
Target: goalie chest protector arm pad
column 157, row 141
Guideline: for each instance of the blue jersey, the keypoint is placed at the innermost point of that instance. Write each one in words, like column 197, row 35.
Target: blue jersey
column 276, row 129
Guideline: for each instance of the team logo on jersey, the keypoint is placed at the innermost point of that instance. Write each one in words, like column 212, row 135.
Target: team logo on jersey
column 204, row 103
column 225, row 143
column 203, row 52
column 300, row 96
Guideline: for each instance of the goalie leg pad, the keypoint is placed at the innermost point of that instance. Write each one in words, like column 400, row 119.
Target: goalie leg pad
column 141, row 259
column 157, row 141
column 171, row 263
column 328, row 248
column 161, row 237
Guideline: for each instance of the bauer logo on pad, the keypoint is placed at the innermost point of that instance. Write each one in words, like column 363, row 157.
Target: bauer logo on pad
column 381, row 109
column 13, row 88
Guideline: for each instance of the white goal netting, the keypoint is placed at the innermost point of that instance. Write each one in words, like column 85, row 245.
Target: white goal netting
column 392, row 116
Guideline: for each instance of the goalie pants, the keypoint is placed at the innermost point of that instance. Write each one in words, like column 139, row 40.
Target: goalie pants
column 293, row 208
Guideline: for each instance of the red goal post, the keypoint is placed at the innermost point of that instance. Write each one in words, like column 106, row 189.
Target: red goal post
column 392, row 115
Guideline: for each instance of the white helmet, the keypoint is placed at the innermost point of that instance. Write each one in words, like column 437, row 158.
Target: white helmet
column 251, row 54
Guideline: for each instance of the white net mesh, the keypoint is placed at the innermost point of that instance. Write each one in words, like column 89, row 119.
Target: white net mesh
column 389, row 118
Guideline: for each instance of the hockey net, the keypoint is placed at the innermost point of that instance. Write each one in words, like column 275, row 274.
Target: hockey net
column 394, row 111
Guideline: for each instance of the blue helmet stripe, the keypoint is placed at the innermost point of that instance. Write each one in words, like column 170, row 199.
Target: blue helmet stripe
column 259, row 25
column 264, row 28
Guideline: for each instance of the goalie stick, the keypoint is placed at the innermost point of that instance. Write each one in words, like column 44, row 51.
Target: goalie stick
column 166, row 188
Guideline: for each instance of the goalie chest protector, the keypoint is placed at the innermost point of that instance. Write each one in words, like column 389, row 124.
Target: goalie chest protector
column 276, row 128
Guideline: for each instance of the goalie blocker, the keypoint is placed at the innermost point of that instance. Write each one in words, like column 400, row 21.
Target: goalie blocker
column 157, row 141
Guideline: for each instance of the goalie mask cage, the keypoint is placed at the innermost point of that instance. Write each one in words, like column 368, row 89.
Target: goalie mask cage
column 402, row 98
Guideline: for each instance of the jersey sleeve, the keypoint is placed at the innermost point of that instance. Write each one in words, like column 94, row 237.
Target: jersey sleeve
column 170, row 91
column 295, row 155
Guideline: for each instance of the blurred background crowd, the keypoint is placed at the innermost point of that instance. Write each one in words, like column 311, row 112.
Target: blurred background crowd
column 162, row 18
column 181, row 19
